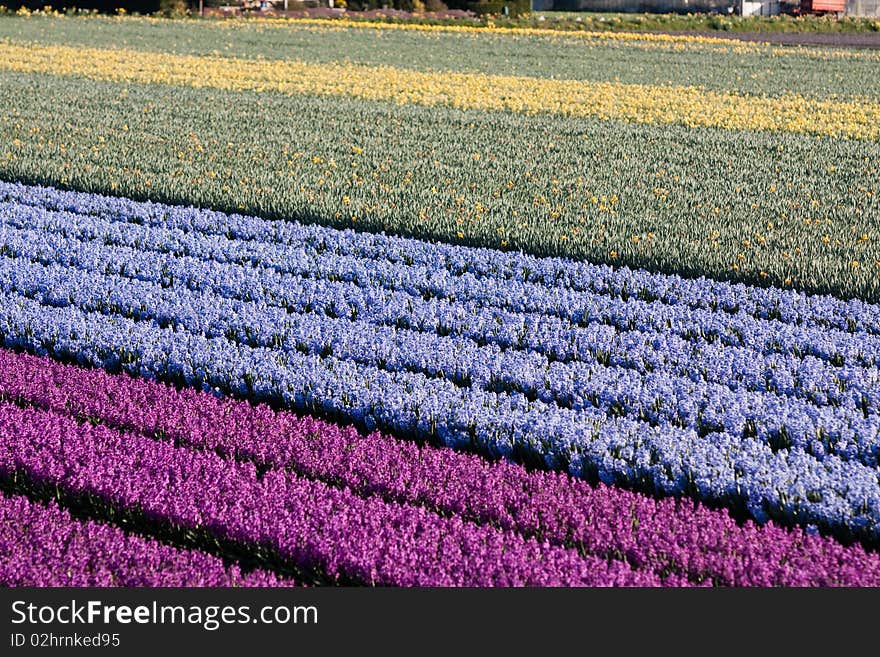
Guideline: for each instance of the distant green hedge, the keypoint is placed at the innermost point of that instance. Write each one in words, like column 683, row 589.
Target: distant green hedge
column 495, row 7
column 515, row 7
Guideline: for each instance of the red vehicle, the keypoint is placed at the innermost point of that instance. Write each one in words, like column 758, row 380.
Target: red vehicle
column 823, row 7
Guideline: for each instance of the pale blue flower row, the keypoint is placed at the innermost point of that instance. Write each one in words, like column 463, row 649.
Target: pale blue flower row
column 789, row 306
column 656, row 397
column 575, row 308
column 645, row 347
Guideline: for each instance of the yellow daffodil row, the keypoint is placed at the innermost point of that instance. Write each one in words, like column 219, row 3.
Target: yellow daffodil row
column 655, row 104
column 640, row 39
column 590, row 38
column 496, row 29
column 342, row 23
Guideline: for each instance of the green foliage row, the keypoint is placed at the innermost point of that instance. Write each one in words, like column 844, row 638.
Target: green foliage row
column 760, row 70
column 783, row 209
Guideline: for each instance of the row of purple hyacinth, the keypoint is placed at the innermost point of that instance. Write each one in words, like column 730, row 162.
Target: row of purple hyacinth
column 43, row 545
column 656, row 397
column 659, row 535
column 297, row 523
column 788, row 305
column 789, row 484
column 572, row 308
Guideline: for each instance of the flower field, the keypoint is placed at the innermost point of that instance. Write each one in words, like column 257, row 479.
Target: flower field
column 302, row 303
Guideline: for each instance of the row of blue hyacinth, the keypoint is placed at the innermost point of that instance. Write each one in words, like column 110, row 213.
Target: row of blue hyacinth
column 657, row 397
column 442, row 260
column 682, row 399
column 840, row 371
column 576, row 308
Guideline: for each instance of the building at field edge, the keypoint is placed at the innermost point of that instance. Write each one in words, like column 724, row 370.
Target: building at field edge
column 855, row 8
column 639, row 6
column 866, row 8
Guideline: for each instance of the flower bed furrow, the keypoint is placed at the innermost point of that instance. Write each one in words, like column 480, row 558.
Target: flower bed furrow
column 788, row 306
column 298, row 522
column 660, row 535
column 839, row 496
column 43, row 545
